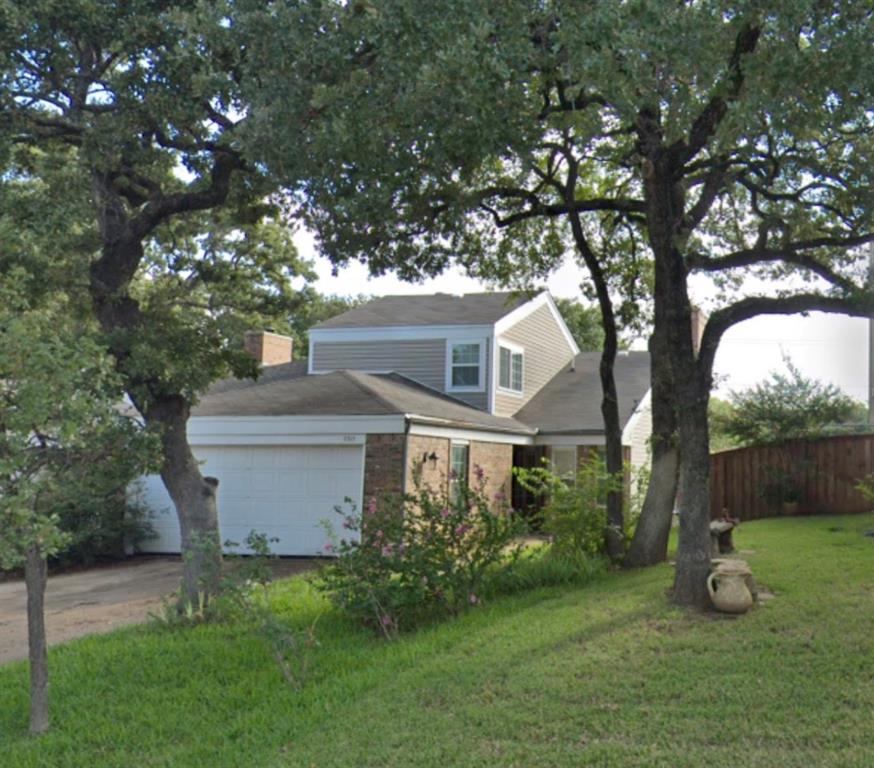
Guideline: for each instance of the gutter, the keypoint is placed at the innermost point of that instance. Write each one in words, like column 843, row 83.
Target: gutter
column 436, row 421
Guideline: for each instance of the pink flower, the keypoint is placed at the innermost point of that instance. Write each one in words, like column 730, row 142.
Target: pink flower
column 386, row 620
column 500, row 496
column 472, row 599
column 387, row 550
column 479, row 473
column 371, row 506
column 349, row 522
column 329, row 547
column 460, row 530
column 444, row 513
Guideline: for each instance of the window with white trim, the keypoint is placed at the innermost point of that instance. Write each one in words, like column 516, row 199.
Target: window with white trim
column 510, row 366
column 459, row 460
column 465, row 365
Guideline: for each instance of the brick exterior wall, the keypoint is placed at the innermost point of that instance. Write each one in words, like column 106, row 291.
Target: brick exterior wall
column 496, row 460
column 435, row 475
column 383, row 465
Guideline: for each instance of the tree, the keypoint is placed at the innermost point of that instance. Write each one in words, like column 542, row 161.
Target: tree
column 142, row 100
column 317, row 308
column 658, row 132
column 584, row 323
column 61, row 436
column 786, row 407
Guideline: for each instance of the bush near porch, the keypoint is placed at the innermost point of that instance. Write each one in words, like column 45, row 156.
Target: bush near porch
column 606, row 674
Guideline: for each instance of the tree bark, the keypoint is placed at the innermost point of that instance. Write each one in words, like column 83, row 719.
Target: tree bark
column 194, row 497
column 650, row 542
column 615, row 533
column 694, row 550
column 35, row 577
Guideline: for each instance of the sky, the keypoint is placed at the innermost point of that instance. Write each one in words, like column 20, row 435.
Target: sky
column 832, row 348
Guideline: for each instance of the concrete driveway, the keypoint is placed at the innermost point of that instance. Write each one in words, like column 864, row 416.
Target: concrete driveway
column 97, row 600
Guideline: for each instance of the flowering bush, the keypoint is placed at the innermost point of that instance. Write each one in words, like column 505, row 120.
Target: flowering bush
column 404, row 560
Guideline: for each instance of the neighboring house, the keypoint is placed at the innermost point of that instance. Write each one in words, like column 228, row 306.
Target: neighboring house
column 402, row 385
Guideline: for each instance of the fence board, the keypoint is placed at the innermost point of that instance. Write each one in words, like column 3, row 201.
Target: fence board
column 825, row 471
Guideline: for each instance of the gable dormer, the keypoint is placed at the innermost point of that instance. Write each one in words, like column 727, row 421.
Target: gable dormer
column 493, row 351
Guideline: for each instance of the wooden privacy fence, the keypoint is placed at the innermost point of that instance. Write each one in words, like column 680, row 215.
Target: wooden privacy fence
column 819, row 474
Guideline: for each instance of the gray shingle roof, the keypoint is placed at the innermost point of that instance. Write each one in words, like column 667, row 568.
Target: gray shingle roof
column 435, row 309
column 571, row 402
column 345, row 393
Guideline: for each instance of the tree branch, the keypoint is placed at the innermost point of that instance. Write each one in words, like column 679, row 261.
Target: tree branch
column 860, row 304
column 159, row 209
column 711, row 116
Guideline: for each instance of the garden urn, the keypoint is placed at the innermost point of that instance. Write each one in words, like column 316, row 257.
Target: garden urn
column 730, row 592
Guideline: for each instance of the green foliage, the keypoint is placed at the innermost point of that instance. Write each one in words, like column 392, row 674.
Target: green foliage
column 135, row 109
column 408, row 560
column 63, row 441
column 313, row 309
column 785, row 407
column 101, row 526
column 720, row 413
column 575, row 513
column 866, row 487
column 584, row 323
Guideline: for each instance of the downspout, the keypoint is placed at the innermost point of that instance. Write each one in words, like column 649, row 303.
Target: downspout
column 404, row 465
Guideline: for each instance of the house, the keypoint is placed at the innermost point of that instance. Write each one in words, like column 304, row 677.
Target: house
column 404, row 384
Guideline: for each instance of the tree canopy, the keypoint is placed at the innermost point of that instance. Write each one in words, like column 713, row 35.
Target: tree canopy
column 784, row 407
column 653, row 138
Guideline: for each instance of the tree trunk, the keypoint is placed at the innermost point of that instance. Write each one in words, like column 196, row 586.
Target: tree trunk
column 121, row 319
column 35, row 577
column 694, row 551
column 194, row 497
column 650, row 542
column 615, row 534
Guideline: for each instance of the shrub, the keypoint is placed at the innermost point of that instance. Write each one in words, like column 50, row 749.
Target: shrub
column 99, row 527
column 575, row 514
column 409, row 559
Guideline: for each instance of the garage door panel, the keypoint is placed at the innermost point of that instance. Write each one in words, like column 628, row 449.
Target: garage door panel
column 282, row 491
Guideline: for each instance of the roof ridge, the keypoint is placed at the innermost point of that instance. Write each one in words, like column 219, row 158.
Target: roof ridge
column 356, row 377
column 431, row 390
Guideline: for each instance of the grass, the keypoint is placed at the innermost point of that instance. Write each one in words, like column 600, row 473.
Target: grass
column 603, row 675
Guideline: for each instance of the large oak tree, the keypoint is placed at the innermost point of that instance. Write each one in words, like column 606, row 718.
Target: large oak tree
column 725, row 139
column 142, row 98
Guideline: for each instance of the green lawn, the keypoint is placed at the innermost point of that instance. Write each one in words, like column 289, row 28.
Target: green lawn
column 605, row 675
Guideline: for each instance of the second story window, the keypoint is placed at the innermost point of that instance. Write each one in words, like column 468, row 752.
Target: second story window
column 510, row 364
column 465, row 365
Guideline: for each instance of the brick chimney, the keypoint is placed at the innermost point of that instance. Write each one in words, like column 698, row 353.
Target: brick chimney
column 268, row 348
column 699, row 322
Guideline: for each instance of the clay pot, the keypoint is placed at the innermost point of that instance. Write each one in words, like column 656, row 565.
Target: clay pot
column 730, row 591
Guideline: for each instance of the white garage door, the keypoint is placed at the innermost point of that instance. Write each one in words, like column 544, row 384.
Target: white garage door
column 283, row 491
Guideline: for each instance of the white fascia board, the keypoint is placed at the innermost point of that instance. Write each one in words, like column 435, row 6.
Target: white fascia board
column 290, row 430
column 399, row 333
column 642, row 407
column 310, row 355
column 479, row 435
column 520, row 313
column 547, row 439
